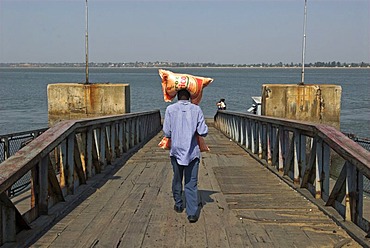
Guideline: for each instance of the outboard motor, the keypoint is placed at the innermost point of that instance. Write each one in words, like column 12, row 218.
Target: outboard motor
column 256, row 105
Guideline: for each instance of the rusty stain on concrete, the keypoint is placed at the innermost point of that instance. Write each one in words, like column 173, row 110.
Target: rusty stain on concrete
column 68, row 101
column 310, row 102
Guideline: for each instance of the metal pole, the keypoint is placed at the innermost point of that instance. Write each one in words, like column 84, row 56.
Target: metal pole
column 87, row 43
column 304, row 41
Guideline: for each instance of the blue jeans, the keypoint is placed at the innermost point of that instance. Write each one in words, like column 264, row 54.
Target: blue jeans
column 191, row 185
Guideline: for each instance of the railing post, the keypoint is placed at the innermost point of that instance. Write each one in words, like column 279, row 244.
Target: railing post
column 120, row 138
column 141, row 125
column 242, row 131
column 237, row 129
column 89, row 151
column 319, row 166
column 281, row 133
column 302, row 162
column 296, row 153
column 275, row 145
column 102, row 157
column 113, row 141
column 70, row 163
column 354, row 194
column 249, row 139
column 326, row 172
column 269, row 143
column 229, row 126
column 253, row 137
column 137, row 127
column 131, row 133
column 233, row 129
column 263, row 141
column 7, row 221
column 108, row 144
column 127, row 135
column 43, row 185
column 63, row 165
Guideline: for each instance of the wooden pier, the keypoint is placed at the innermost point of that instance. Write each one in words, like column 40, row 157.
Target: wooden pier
column 242, row 204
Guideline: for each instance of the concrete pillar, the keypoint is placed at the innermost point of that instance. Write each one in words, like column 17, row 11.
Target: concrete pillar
column 68, row 101
column 309, row 102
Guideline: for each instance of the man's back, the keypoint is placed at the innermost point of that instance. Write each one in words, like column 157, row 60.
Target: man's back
column 182, row 121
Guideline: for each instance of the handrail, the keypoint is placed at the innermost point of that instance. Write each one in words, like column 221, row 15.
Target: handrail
column 64, row 157
column 306, row 153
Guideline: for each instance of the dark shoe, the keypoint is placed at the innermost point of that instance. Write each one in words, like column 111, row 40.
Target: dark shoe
column 192, row 218
column 178, row 209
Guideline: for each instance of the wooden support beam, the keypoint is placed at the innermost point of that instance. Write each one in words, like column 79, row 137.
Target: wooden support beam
column 318, row 169
column 309, row 168
column 43, row 204
column 11, row 220
column 296, row 155
column 120, row 138
column 275, row 149
column 62, row 165
column 281, row 149
column 302, row 163
column 248, row 134
column 108, row 145
column 70, row 163
column 260, row 139
column 338, row 191
column 102, row 157
column 269, row 137
column 290, row 153
column 242, row 131
column 89, row 156
column 112, row 142
column 254, row 137
column 54, row 186
column 95, row 153
column 325, row 180
column 8, row 226
column 82, row 177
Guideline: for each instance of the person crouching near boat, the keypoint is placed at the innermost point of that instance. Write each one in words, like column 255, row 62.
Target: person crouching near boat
column 183, row 121
column 221, row 105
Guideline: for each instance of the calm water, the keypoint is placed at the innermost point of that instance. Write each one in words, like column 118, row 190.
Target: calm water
column 23, row 91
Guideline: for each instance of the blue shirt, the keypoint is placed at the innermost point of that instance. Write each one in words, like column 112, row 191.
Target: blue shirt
column 182, row 121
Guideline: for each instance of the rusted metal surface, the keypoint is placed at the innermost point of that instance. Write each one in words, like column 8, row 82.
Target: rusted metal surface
column 287, row 143
column 71, row 159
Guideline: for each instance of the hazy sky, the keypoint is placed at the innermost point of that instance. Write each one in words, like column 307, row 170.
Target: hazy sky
column 219, row 31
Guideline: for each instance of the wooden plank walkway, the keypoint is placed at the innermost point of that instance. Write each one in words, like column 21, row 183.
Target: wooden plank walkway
column 242, row 204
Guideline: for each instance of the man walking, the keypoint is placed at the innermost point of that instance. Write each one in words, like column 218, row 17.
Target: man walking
column 182, row 122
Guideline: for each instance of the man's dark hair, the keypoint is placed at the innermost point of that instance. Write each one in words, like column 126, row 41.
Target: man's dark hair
column 183, row 95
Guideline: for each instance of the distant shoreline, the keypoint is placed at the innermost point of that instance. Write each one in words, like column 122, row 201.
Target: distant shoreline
column 173, row 67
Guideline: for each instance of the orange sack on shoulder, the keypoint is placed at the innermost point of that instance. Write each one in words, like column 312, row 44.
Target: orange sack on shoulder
column 171, row 84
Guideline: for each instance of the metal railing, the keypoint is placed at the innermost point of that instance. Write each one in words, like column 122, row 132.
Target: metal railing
column 65, row 157
column 9, row 145
column 304, row 154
